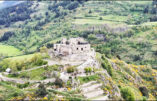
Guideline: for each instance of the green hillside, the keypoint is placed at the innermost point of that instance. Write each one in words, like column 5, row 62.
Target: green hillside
column 123, row 33
column 125, row 26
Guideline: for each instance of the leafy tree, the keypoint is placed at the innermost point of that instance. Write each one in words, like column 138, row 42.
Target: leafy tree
column 146, row 9
column 6, row 36
column 43, row 49
column 100, row 18
column 92, row 37
column 89, row 11
column 73, row 5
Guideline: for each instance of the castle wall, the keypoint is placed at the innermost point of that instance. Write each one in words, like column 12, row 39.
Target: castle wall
column 74, row 47
column 71, row 49
column 81, row 48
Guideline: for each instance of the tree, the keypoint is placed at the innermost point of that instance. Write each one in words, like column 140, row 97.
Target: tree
column 6, row 36
column 154, row 9
column 146, row 9
column 46, row 13
column 90, row 11
column 43, row 49
column 92, row 37
column 155, row 53
column 73, row 5
column 100, row 18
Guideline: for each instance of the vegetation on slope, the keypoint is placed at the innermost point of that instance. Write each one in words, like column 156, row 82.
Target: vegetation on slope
column 110, row 31
column 22, row 62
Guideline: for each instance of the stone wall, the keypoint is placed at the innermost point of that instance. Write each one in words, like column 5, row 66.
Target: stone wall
column 65, row 49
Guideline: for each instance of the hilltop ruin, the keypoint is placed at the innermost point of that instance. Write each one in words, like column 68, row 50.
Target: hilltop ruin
column 72, row 46
column 74, row 49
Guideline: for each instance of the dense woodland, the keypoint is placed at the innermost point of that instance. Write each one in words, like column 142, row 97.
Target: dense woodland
column 15, row 13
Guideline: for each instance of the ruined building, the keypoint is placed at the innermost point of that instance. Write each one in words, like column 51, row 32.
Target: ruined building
column 72, row 46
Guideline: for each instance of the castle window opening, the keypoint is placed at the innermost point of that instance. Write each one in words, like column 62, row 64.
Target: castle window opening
column 77, row 48
column 82, row 49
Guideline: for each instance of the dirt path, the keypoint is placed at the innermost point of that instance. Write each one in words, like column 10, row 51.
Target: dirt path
column 22, row 81
column 31, row 69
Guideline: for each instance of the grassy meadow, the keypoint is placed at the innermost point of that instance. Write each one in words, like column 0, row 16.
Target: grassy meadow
column 9, row 50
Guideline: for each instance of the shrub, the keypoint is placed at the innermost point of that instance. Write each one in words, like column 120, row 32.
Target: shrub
column 127, row 94
column 44, row 62
column 24, row 75
column 23, row 85
column 100, row 18
column 144, row 98
column 37, row 60
column 88, row 70
column 106, row 65
column 58, row 82
column 88, row 78
column 13, row 74
column 144, row 91
column 15, row 94
column 41, row 90
column 89, row 11
column 70, row 69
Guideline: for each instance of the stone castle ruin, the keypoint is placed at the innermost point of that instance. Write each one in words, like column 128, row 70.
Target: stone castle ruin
column 74, row 49
column 72, row 46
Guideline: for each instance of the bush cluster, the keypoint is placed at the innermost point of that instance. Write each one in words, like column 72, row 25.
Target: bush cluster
column 127, row 94
column 18, row 65
column 106, row 65
column 88, row 69
column 71, row 69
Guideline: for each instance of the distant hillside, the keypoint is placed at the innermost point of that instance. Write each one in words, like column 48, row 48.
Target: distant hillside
column 5, row 4
column 117, row 29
